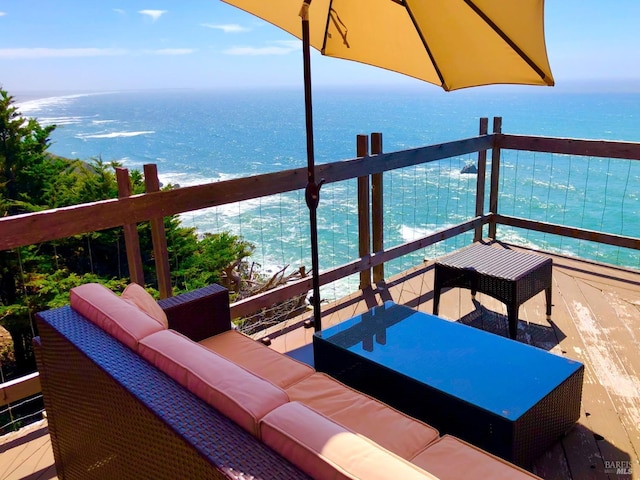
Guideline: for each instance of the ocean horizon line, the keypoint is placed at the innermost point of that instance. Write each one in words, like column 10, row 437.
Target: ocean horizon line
column 604, row 85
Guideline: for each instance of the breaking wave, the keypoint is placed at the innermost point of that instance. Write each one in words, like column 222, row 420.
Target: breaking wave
column 86, row 136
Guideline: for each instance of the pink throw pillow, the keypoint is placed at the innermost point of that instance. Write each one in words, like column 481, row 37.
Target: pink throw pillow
column 142, row 299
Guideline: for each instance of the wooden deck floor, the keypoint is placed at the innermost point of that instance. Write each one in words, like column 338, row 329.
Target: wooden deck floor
column 595, row 319
column 26, row 454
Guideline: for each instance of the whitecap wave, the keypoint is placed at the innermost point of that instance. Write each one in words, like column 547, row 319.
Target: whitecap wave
column 410, row 234
column 510, row 235
column 190, row 179
column 247, row 218
column 72, row 120
column 85, row 136
column 35, row 105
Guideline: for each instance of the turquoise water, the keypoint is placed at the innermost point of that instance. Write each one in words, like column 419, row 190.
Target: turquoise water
column 200, row 136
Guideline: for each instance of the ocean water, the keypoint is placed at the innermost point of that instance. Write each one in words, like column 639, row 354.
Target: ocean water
column 202, row 136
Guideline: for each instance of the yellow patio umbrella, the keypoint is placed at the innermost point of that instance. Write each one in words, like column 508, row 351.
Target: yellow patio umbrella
column 451, row 43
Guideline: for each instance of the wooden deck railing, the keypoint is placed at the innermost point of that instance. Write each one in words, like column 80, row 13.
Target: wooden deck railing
column 588, row 148
column 368, row 167
column 23, row 387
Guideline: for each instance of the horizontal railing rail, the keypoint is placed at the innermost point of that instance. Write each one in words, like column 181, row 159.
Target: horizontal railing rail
column 573, row 232
column 569, row 146
column 19, row 388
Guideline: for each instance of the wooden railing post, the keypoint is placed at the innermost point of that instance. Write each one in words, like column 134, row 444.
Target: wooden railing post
column 377, row 208
column 131, row 240
column 495, row 177
column 158, row 236
column 364, row 222
column 481, row 177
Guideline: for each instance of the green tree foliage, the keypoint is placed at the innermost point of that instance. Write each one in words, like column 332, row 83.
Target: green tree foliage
column 218, row 258
column 38, row 277
column 25, row 166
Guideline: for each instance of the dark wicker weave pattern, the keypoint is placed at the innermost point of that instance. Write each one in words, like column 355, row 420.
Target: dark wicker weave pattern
column 506, row 275
column 113, row 415
column 548, row 420
column 199, row 314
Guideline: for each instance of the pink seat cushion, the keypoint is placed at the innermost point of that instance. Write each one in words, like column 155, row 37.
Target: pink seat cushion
column 399, row 433
column 323, row 449
column 137, row 295
column 451, row 459
column 237, row 393
column 259, row 359
column 116, row 316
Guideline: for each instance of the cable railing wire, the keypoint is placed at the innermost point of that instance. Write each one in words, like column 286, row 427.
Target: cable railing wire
column 19, row 420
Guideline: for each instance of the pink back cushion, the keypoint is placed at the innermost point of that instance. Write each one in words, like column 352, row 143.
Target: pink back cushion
column 114, row 315
column 243, row 397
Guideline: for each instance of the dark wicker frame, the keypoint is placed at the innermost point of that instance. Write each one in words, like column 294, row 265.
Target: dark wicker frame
column 113, row 415
column 513, row 277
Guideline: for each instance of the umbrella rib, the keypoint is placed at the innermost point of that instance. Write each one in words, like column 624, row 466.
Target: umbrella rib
column 509, row 42
column 326, row 27
column 335, row 18
column 424, row 43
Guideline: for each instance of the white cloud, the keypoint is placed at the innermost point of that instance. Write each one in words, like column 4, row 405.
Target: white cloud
column 119, row 10
column 229, row 28
column 173, row 51
column 22, row 53
column 2, row 14
column 280, row 48
column 153, row 14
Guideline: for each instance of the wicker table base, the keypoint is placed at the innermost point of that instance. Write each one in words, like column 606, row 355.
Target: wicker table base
column 509, row 398
column 506, row 275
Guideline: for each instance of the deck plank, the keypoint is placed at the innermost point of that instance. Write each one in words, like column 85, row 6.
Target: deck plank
column 616, row 358
column 576, row 320
column 577, row 454
column 27, row 454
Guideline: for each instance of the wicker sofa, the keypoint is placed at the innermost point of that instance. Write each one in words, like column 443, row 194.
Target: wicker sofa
column 138, row 389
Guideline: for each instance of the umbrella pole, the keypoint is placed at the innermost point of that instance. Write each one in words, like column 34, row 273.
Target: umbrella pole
column 312, row 191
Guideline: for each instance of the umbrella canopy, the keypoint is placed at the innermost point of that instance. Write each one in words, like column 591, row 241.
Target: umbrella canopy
column 451, row 43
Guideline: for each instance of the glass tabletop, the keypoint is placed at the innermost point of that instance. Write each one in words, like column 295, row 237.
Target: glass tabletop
column 493, row 372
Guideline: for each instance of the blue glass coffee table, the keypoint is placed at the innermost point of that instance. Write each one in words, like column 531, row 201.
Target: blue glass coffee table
column 509, row 398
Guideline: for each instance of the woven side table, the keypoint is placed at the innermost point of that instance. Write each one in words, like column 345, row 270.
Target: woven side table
column 510, row 276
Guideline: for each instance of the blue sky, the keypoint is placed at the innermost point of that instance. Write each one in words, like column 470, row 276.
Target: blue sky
column 106, row 45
